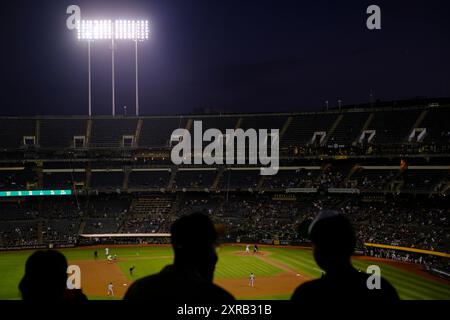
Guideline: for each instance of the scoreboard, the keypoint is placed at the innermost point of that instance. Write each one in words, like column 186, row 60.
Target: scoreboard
column 28, row 193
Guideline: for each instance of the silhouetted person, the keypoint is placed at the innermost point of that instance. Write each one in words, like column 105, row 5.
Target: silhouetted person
column 334, row 242
column 45, row 279
column 194, row 241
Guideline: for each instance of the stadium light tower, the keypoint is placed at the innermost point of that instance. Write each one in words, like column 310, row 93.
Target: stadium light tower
column 91, row 30
column 135, row 30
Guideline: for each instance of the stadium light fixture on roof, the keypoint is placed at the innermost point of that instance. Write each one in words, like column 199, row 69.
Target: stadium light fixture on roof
column 121, row 29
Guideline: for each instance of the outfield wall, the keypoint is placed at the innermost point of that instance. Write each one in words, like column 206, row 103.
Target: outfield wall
column 408, row 249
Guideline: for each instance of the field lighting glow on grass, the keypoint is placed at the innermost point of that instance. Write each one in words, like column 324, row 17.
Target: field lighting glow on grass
column 28, row 193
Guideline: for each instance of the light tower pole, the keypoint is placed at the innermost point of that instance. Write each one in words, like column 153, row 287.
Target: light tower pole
column 89, row 79
column 136, row 74
column 136, row 30
column 113, row 100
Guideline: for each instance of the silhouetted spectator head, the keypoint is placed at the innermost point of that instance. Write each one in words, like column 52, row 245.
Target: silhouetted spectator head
column 333, row 240
column 194, row 241
column 45, row 276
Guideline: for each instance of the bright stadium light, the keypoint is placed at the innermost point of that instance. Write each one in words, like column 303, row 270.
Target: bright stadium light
column 94, row 29
column 91, row 30
column 121, row 29
column 131, row 29
column 136, row 30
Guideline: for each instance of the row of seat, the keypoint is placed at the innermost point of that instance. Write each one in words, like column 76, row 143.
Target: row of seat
column 342, row 128
column 345, row 176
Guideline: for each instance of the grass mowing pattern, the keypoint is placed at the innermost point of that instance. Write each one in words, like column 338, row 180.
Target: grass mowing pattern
column 149, row 260
column 237, row 266
column 409, row 285
column 12, row 267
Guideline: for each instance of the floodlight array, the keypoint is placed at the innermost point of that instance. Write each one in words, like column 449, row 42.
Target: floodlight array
column 121, row 29
column 94, row 29
column 131, row 29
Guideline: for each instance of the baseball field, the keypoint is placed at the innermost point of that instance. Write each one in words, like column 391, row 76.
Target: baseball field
column 278, row 271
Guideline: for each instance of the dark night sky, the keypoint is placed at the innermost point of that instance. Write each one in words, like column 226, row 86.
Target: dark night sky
column 238, row 56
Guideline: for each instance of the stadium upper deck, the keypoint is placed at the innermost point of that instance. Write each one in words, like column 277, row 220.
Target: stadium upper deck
column 336, row 128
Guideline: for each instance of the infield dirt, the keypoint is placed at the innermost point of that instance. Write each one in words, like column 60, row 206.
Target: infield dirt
column 96, row 274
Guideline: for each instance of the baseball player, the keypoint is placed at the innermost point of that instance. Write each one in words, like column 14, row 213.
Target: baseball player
column 247, row 249
column 106, row 251
column 251, row 280
column 110, row 289
column 131, row 270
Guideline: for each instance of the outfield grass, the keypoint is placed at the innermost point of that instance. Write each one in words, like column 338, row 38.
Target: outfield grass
column 148, row 260
column 409, row 285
